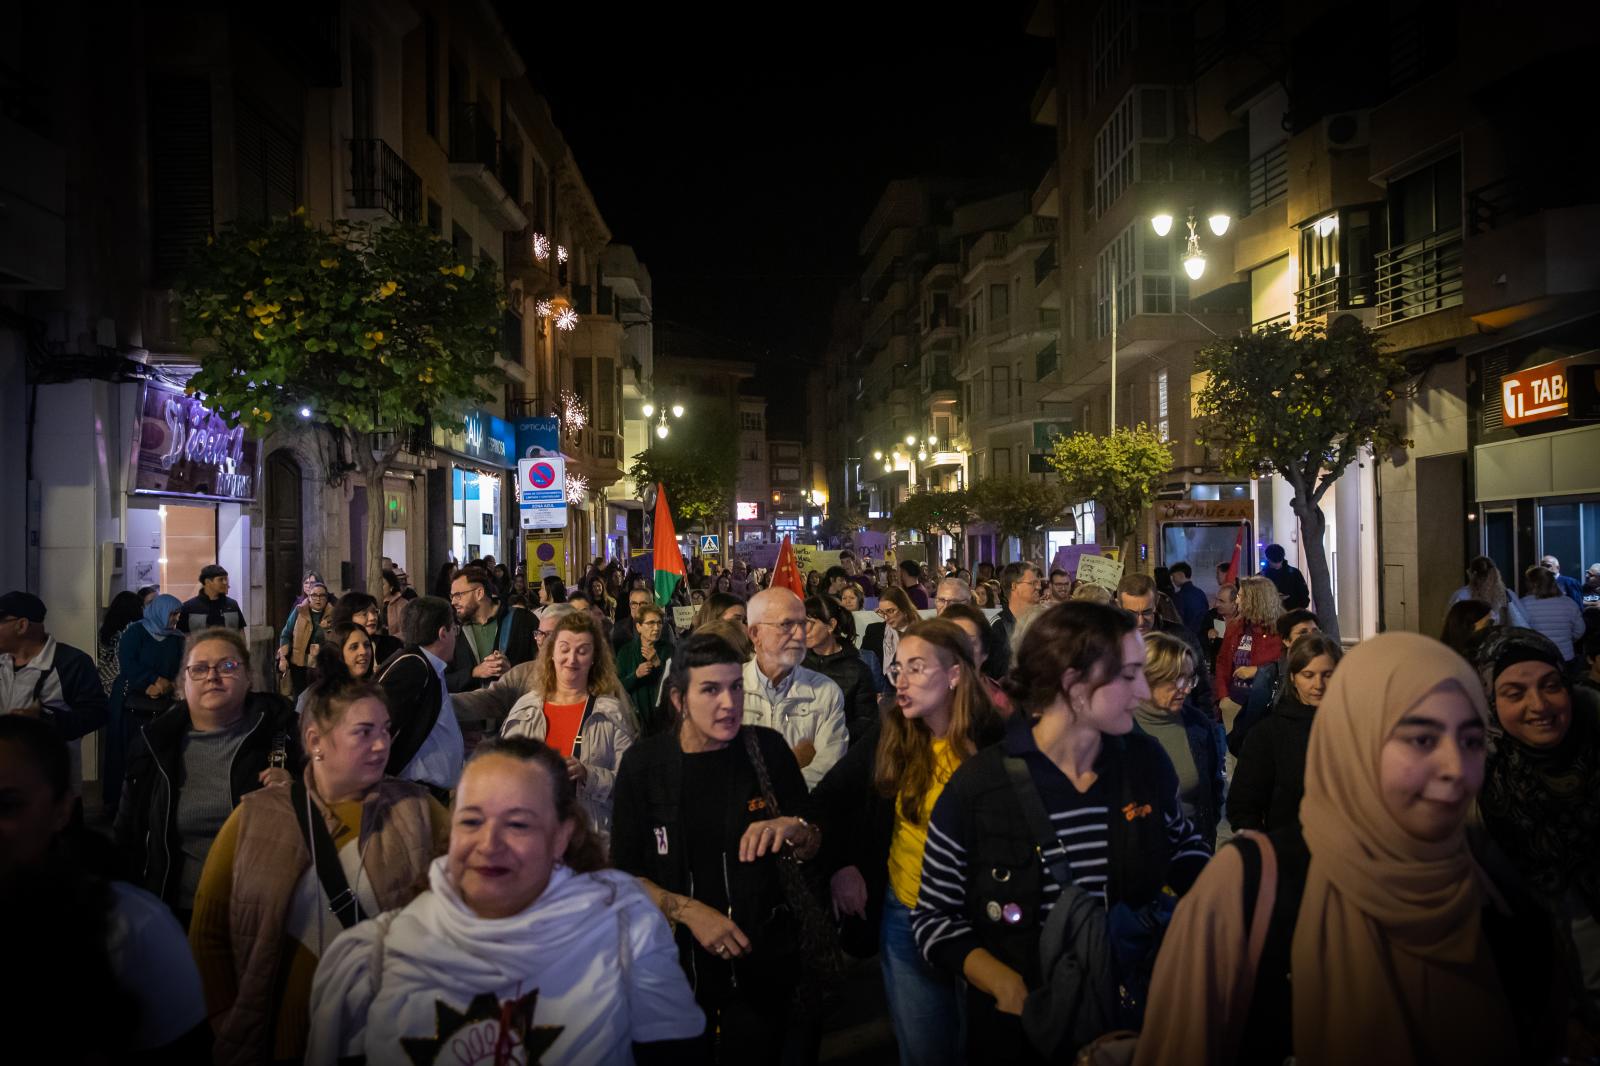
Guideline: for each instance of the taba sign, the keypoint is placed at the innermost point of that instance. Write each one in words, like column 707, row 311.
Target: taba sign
column 542, row 492
column 1565, row 388
column 183, row 448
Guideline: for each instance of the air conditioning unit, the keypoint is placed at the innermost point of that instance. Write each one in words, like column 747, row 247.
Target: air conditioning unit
column 1345, row 130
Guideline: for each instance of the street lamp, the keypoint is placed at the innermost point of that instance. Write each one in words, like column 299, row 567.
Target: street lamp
column 1194, row 265
column 650, row 410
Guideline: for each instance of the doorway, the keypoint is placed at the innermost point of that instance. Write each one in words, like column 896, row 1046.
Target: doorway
column 281, row 539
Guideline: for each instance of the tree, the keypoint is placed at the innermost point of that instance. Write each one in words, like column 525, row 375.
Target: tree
column 1303, row 404
column 945, row 513
column 699, row 465
column 369, row 331
column 842, row 523
column 1121, row 472
column 1018, row 506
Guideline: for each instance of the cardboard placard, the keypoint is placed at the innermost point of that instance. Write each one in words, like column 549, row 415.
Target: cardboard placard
column 683, row 617
column 1099, row 570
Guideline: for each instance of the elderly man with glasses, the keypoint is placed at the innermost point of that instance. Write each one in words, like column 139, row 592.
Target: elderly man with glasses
column 803, row 705
column 494, row 637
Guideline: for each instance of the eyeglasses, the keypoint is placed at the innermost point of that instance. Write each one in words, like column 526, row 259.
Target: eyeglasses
column 1186, row 683
column 790, row 625
column 201, row 671
column 470, row 588
column 945, row 601
column 916, row 670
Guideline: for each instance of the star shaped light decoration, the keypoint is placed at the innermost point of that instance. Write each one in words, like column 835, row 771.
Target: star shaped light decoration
column 541, row 247
column 504, row 1026
column 567, row 319
column 577, row 488
column 543, row 308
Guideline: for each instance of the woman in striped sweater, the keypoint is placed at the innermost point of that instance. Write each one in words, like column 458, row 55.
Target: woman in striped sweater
column 1120, row 847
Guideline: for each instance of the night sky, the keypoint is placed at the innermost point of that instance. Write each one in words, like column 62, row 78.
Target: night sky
column 743, row 170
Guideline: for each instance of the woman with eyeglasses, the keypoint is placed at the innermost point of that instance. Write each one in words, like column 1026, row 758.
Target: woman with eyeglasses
column 1188, row 738
column 294, row 867
column 879, row 642
column 874, row 806
column 639, row 665
column 189, row 768
column 301, row 636
column 1270, row 778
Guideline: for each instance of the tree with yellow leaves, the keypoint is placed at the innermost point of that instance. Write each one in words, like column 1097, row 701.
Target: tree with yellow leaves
column 369, row 332
column 1303, row 403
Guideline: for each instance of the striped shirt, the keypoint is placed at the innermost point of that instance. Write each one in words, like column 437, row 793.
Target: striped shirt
column 1082, row 824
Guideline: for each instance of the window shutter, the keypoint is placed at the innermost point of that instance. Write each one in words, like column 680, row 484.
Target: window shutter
column 180, row 173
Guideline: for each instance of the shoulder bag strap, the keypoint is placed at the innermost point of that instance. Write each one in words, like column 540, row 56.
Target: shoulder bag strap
column 577, row 740
column 38, row 688
column 1044, row 837
column 752, row 748
column 342, row 900
column 1260, row 890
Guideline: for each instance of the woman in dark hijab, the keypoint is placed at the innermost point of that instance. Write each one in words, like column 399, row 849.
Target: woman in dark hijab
column 1541, row 792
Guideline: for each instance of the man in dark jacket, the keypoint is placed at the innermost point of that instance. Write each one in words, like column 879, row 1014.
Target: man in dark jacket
column 426, row 743
column 493, row 638
column 43, row 678
column 1021, row 585
column 1192, row 604
column 212, row 607
column 1291, row 583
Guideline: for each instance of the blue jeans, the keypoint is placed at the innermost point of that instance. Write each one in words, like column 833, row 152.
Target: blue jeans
column 927, row 1007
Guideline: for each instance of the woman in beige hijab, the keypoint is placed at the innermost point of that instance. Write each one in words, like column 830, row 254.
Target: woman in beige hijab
column 1399, row 949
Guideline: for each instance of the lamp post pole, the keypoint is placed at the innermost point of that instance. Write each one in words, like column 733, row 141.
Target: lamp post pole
column 1114, row 256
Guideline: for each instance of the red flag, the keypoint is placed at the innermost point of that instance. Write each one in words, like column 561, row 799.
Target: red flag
column 667, row 556
column 1232, row 577
column 786, row 572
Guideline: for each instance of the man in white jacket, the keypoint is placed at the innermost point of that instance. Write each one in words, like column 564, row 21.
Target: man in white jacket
column 779, row 693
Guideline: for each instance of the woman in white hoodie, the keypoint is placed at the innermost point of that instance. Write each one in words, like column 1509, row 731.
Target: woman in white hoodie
column 522, row 950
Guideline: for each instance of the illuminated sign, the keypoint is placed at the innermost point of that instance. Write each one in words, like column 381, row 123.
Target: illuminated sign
column 1204, row 511
column 183, row 448
column 747, row 512
column 1535, row 394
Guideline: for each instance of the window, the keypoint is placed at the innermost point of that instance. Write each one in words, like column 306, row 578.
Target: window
column 1161, row 405
column 1421, row 269
column 1002, row 462
column 462, row 242
column 943, row 428
column 1425, row 202
column 1000, row 386
column 1110, row 42
column 268, row 164
column 750, row 420
column 1336, row 262
column 999, row 302
column 1148, row 279
column 435, row 217
column 978, row 392
column 180, row 172
column 582, row 380
column 752, row 450
column 605, row 402
column 1144, row 115
column 430, row 74
column 608, row 446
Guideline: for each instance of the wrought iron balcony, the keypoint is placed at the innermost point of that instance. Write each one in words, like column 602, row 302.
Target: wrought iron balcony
column 1420, row 277
column 380, row 180
column 1337, row 293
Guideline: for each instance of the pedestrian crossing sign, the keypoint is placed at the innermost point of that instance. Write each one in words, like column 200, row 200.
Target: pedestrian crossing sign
column 710, row 544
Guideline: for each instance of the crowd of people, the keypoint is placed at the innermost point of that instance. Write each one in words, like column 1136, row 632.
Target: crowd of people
column 520, row 822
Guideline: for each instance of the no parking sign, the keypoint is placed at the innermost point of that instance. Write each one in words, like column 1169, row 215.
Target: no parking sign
column 542, row 491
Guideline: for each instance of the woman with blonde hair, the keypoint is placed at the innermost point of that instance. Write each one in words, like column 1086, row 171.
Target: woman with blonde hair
column 1484, row 583
column 1189, row 738
column 1251, row 640
column 1366, row 931
column 577, row 708
column 874, row 807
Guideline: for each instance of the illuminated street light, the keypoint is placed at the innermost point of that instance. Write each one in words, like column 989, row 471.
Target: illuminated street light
column 911, row 439
column 1219, row 223
column 649, row 409
column 661, row 430
column 677, row 410
column 1162, row 224
column 877, row 455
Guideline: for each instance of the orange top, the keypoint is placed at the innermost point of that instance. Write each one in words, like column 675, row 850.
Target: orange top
column 561, row 726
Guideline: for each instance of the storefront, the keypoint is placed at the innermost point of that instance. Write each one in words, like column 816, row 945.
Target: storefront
column 469, row 491
column 1536, row 475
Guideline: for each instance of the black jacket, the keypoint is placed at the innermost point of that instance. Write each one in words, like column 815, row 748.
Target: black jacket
column 1000, row 634
column 200, row 612
column 518, row 644
column 1270, row 778
column 415, row 697
column 1291, row 585
column 649, row 839
column 849, row 671
column 147, row 820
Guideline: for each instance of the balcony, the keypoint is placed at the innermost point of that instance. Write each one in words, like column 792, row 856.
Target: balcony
column 1532, row 241
column 1419, row 278
column 475, row 166
column 1045, row 363
column 538, row 278
column 1268, row 177
column 382, row 183
column 1044, row 267
column 1338, row 293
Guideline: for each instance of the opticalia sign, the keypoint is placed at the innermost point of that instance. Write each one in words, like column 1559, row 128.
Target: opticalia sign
column 1564, row 388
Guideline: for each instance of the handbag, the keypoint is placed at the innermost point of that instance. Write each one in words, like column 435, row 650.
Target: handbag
column 822, row 961
column 342, row 899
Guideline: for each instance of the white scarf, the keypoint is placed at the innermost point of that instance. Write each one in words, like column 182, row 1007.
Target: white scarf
column 594, row 949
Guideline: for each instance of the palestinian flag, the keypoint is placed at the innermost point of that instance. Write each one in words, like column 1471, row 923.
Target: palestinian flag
column 786, row 572
column 666, row 555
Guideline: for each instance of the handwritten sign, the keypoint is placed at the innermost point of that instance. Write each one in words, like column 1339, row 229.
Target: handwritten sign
column 1098, row 570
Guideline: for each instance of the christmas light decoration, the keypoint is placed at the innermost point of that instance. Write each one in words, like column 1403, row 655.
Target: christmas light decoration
column 541, row 247
column 577, row 488
column 561, row 253
column 567, row 319
column 543, row 309
column 573, row 414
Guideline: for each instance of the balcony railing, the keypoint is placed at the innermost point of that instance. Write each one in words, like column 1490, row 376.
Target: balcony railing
column 1044, row 264
column 472, row 137
column 1285, row 319
column 1269, row 177
column 381, row 180
column 1420, row 277
column 1333, row 294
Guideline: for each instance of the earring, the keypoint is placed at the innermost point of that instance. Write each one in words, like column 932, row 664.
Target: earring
column 317, row 755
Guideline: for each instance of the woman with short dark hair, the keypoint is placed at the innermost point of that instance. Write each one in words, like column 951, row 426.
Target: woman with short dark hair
column 693, row 819
column 830, row 651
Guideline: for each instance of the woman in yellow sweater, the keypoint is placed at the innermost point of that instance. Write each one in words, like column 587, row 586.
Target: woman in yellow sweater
column 295, row 865
column 874, row 806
